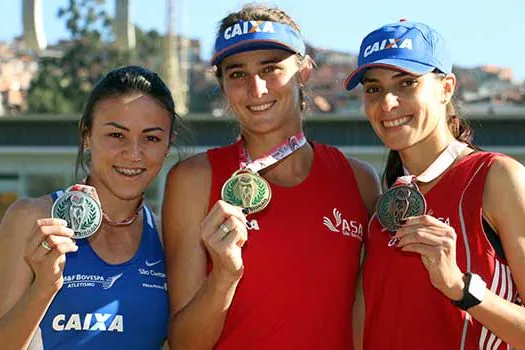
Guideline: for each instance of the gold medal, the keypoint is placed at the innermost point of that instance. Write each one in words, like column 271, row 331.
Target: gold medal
column 247, row 190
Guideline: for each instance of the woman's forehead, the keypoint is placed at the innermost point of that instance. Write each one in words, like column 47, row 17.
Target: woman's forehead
column 376, row 73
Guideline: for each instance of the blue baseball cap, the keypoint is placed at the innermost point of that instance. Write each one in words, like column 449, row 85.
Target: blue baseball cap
column 256, row 35
column 407, row 46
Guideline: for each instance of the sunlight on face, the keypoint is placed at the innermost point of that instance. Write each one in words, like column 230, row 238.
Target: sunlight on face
column 262, row 87
column 128, row 142
column 402, row 108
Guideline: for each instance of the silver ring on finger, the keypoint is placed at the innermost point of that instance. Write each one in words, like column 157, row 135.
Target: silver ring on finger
column 45, row 245
column 224, row 229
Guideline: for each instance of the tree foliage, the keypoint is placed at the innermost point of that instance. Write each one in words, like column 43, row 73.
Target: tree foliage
column 64, row 81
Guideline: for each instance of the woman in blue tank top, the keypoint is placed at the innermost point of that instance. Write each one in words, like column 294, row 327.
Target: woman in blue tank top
column 106, row 291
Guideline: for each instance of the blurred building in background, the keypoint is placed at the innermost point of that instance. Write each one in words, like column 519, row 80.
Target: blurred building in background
column 37, row 153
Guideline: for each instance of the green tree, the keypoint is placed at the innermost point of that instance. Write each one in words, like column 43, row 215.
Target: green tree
column 64, row 83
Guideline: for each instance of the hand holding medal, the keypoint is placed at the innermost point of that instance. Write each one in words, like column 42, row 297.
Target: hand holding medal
column 247, row 190
column 404, row 199
column 400, row 202
column 80, row 207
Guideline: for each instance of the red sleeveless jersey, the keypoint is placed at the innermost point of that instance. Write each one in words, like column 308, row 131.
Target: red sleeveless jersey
column 300, row 261
column 403, row 309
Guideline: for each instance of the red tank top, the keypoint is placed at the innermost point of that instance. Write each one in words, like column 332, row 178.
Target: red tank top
column 403, row 309
column 301, row 259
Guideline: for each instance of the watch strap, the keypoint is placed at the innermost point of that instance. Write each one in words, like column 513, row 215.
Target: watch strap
column 472, row 292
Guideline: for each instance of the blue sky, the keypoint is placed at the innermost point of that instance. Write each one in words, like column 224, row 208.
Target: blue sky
column 477, row 32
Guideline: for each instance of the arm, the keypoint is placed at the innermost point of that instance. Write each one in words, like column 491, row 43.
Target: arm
column 504, row 207
column 199, row 302
column 368, row 183
column 31, row 275
column 358, row 316
column 370, row 189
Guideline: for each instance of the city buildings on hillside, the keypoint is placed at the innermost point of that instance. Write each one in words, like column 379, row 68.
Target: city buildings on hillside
column 484, row 86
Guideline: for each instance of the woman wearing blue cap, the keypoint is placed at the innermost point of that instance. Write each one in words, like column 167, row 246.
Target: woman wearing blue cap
column 288, row 283
column 446, row 247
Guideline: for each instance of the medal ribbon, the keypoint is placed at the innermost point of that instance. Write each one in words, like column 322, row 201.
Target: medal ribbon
column 292, row 144
column 438, row 166
column 90, row 190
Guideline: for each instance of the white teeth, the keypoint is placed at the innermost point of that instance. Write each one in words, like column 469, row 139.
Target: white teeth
column 130, row 172
column 261, row 107
column 395, row 122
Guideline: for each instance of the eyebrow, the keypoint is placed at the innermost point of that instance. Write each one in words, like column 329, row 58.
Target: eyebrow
column 240, row 65
column 395, row 76
column 118, row 126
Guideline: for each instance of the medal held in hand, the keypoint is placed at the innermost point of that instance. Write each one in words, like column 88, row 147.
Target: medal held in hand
column 79, row 206
column 398, row 203
column 247, row 190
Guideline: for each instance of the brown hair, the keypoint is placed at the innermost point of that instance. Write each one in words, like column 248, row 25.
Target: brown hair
column 457, row 126
column 260, row 12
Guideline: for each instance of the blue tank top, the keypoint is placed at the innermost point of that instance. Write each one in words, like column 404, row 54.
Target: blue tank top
column 104, row 306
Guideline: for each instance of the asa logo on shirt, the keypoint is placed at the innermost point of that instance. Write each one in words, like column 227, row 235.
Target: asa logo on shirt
column 89, row 322
column 349, row 228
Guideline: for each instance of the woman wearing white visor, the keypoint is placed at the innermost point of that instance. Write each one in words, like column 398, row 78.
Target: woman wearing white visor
column 266, row 255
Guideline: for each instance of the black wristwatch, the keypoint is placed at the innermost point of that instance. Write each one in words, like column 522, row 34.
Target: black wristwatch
column 473, row 292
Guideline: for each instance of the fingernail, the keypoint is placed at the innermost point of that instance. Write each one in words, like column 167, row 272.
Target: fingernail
column 245, row 211
column 247, row 223
column 394, row 241
column 64, row 222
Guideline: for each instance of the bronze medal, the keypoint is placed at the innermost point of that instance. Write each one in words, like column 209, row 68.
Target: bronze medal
column 398, row 203
column 247, row 190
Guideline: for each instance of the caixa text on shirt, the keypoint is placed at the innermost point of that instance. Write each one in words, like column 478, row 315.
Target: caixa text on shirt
column 89, row 322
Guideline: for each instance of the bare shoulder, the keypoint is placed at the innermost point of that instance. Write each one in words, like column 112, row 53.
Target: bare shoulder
column 367, row 181
column 505, row 177
column 191, row 170
column 187, row 191
column 504, row 169
column 22, row 214
column 504, row 208
column 363, row 169
column 185, row 204
column 504, row 188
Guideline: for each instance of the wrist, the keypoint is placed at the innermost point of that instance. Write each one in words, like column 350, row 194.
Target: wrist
column 41, row 296
column 225, row 281
column 473, row 292
column 457, row 288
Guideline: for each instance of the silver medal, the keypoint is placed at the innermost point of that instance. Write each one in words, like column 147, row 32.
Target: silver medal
column 81, row 211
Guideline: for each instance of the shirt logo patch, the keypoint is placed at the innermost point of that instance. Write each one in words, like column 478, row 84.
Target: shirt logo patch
column 391, row 43
column 150, row 264
column 248, row 27
column 350, row 228
column 80, row 280
column 89, row 322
